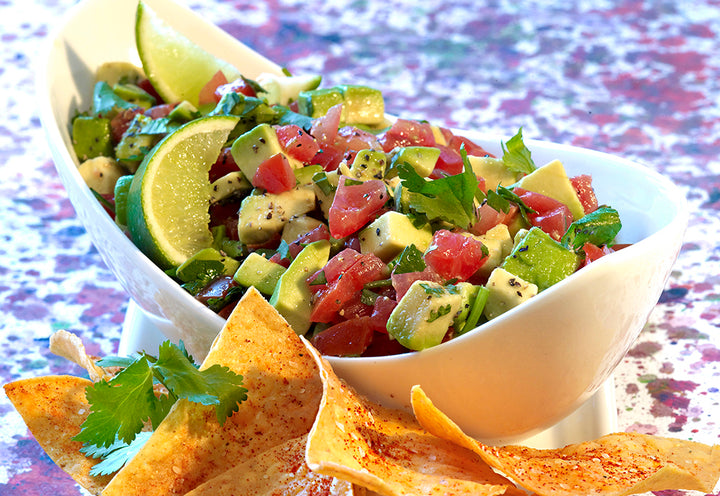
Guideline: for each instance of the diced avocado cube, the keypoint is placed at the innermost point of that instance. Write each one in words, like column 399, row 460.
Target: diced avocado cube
column 205, row 261
column 390, row 233
column 135, row 144
column 362, row 105
column 539, row 259
column 285, row 89
column 291, row 296
column 184, row 112
column 468, row 292
column 299, row 225
column 368, row 164
column 423, row 315
column 254, row 147
column 122, row 187
column 552, row 180
column 506, row 291
column 232, row 183
column 134, row 94
column 438, row 135
column 316, row 103
column 259, row 272
column 263, row 216
column 118, row 72
column 499, row 244
column 420, row 158
column 493, row 170
column 304, row 175
column 101, row 174
column 91, row 137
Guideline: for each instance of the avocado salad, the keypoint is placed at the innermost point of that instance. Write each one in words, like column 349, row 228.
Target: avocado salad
column 371, row 236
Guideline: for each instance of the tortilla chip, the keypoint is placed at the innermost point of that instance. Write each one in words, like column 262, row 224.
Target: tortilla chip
column 616, row 464
column 387, row 451
column 54, row 407
column 280, row 471
column 190, row 447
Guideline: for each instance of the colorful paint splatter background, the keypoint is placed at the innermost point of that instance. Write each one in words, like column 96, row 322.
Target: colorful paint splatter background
column 636, row 78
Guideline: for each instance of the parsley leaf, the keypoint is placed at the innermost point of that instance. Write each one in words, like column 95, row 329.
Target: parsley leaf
column 516, row 155
column 450, row 198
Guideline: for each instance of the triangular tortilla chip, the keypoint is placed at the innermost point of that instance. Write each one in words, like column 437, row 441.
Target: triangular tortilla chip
column 190, row 447
column 54, row 407
column 613, row 465
column 279, row 471
column 387, row 451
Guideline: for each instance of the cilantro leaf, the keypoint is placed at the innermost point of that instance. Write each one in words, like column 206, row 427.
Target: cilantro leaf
column 599, row 228
column 119, row 407
column 501, row 198
column 450, row 198
column 115, row 456
column 516, row 155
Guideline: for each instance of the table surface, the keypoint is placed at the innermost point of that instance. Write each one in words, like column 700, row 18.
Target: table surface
column 640, row 79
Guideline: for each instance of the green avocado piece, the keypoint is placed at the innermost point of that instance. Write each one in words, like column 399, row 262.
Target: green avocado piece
column 423, row 315
column 122, row 187
column 369, row 164
column 420, row 158
column 254, row 147
column 184, row 112
column 135, row 144
column 552, row 180
column 468, row 293
column 259, row 272
column 316, row 103
column 291, row 296
column 204, row 261
column 134, row 94
column 362, row 105
column 91, row 137
column 539, row 259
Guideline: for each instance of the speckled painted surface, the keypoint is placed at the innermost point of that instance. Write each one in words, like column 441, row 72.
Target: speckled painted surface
column 637, row 78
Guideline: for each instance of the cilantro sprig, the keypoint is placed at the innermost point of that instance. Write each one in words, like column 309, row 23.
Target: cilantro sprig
column 517, row 156
column 121, row 406
column 450, row 198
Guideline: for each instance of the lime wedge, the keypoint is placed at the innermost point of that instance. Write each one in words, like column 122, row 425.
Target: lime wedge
column 169, row 198
column 176, row 66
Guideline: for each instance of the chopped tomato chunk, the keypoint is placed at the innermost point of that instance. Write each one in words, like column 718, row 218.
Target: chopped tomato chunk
column 274, row 175
column 455, row 255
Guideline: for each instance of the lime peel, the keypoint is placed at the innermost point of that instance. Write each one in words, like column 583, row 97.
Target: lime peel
column 169, row 198
column 176, row 66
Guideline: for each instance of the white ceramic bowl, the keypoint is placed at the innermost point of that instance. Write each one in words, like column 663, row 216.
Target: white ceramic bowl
column 514, row 376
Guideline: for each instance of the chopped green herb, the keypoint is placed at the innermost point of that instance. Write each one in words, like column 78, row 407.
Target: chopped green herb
column 516, row 155
column 436, row 314
column 599, row 228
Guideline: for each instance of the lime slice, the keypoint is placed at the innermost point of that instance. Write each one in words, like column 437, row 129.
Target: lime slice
column 169, row 198
column 176, row 66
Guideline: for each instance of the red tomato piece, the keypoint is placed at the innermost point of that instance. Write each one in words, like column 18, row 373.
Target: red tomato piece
column 381, row 311
column 449, row 163
column 274, row 175
column 550, row 215
column 146, row 85
column 225, row 164
column 345, row 285
column 325, row 128
column 159, row 111
column 489, row 218
column 454, row 255
column 354, row 205
column 238, row 86
column 402, row 282
column 593, row 252
column 383, row 345
column 348, row 338
column 471, row 147
column 226, row 214
column 329, row 157
column 352, row 140
column 297, row 143
column 320, row 232
column 585, row 192
column 207, row 92
column 406, row 132
column 121, row 121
